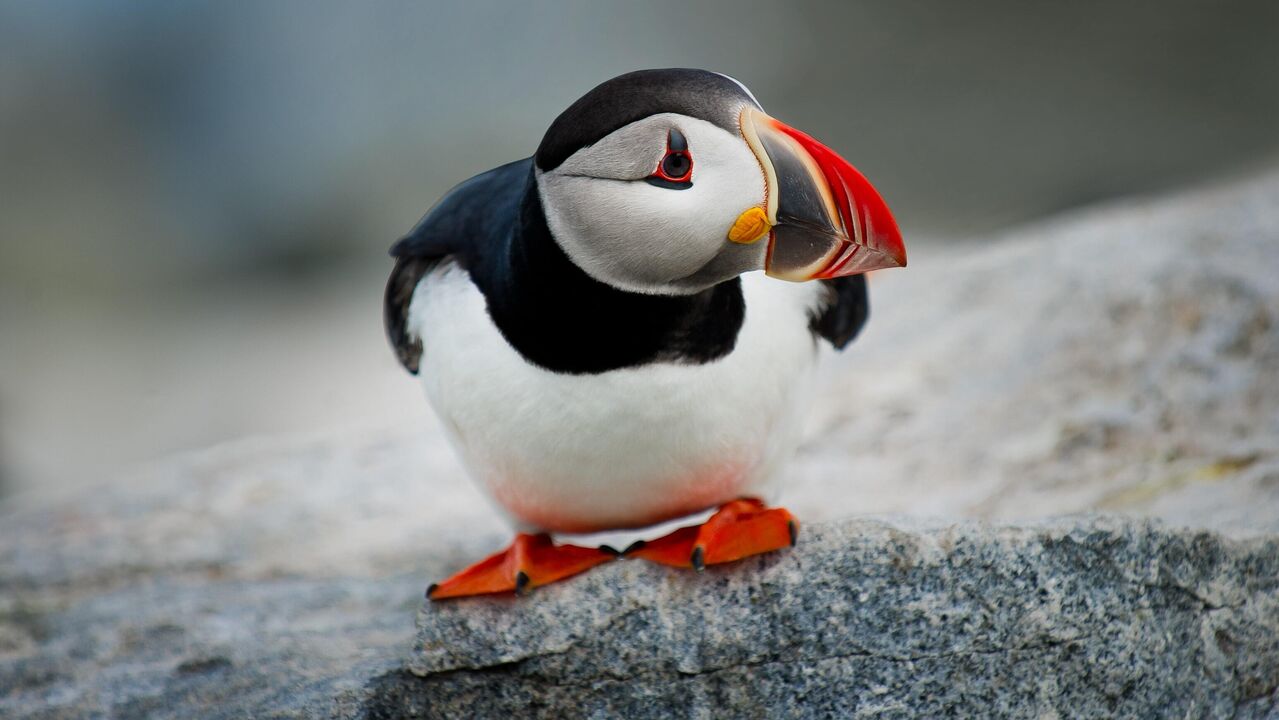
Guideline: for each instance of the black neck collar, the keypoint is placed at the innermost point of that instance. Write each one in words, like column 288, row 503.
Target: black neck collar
column 561, row 319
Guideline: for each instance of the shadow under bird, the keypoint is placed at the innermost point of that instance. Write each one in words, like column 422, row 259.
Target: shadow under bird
column 591, row 326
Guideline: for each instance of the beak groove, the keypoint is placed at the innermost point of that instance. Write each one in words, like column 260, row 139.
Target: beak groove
column 827, row 219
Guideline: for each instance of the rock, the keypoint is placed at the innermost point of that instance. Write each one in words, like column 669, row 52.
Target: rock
column 1121, row 360
column 1095, row 618
column 201, row 647
column 244, row 581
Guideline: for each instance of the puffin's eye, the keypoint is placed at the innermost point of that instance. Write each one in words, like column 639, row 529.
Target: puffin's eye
column 675, row 171
column 676, row 165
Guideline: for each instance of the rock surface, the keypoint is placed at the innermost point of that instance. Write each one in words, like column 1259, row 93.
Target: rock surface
column 868, row 619
column 1121, row 360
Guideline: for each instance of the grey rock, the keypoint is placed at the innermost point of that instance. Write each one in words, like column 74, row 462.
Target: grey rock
column 1093, row 618
column 1120, row 360
column 203, row 648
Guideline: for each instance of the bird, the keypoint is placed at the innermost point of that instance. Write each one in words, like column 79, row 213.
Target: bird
column 622, row 329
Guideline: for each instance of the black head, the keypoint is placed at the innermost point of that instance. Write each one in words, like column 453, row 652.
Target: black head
column 634, row 96
column 670, row 181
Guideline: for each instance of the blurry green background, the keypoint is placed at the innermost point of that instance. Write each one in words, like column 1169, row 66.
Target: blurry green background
column 196, row 198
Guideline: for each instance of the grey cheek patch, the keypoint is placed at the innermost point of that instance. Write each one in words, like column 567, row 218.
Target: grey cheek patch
column 629, row 153
column 614, row 159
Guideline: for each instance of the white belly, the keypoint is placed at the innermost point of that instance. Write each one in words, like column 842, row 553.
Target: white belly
column 626, row 448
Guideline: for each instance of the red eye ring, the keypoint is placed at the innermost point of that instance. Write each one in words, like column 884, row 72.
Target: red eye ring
column 676, row 166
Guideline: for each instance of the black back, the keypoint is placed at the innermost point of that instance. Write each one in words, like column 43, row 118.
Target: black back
column 461, row 225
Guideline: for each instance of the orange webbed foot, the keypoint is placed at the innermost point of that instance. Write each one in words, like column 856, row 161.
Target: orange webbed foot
column 529, row 562
column 738, row 529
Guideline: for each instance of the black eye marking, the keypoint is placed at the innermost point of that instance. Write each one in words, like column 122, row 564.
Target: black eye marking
column 675, row 171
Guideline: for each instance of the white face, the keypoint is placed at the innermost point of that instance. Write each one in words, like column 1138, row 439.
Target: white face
column 641, row 237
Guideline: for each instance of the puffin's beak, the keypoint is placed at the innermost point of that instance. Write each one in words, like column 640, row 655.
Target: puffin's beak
column 823, row 219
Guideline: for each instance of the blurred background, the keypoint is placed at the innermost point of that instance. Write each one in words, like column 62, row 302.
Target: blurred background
column 196, row 198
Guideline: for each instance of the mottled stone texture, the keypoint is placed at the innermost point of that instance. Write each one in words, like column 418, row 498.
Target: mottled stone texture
column 1122, row 360
column 1092, row 619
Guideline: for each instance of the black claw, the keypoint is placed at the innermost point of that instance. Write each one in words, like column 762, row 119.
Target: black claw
column 610, row 550
column 697, row 560
column 794, row 532
column 431, row 589
column 633, row 547
column 521, row 583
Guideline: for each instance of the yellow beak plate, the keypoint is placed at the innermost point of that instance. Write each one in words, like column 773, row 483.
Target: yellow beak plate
column 751, row 226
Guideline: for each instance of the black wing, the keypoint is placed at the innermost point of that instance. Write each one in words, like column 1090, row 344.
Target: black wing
column 462, row 225
column 404, row 278
column 426, row 245
column 845, row 311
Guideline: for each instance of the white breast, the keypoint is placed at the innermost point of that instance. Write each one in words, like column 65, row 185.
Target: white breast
column 621, row 449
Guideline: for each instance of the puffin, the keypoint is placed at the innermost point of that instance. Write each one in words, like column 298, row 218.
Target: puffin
column 622, row 330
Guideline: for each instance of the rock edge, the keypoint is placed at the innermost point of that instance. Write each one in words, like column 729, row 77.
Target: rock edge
column 1099, row 617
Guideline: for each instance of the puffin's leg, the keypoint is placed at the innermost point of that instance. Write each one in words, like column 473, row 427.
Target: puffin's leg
column 738, row 529
column 530, row 561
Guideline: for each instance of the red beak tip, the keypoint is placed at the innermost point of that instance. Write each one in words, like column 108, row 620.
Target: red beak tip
column 900, row 257
column 861, row 210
